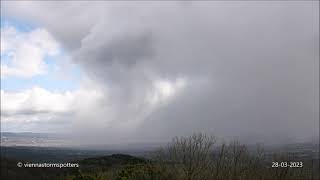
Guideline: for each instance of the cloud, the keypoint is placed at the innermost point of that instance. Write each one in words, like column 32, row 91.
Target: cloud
column 230, row 68
column 35, row 100
column 44, row 107
column 24, row 52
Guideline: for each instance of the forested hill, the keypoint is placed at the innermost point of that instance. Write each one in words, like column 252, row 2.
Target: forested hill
column 90, row 166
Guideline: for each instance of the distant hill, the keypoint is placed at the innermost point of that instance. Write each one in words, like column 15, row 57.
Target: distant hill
column 29, row 134
column 9, row 169
column 32, row 139
column 50, row 154
column 113, row 160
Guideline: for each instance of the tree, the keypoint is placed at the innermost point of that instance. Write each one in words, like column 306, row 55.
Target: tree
column 191, row 154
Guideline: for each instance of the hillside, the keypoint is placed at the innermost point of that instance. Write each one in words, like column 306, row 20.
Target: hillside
column 9, row 169
column 195, row 157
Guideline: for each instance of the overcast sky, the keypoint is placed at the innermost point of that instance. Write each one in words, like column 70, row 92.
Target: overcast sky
column 148, row 71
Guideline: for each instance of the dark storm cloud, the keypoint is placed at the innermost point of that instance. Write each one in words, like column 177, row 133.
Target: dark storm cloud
column 251, row 68
column 126, row 52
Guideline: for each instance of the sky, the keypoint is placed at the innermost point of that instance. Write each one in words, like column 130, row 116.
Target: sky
column 128, row 72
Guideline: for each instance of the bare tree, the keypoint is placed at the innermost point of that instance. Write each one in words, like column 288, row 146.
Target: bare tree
column 191, row 154
column 196, row 157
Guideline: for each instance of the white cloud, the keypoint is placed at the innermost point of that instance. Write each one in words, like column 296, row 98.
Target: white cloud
column 164, row 90
column 38, row 105
column 26, row 51
column 35, row 100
